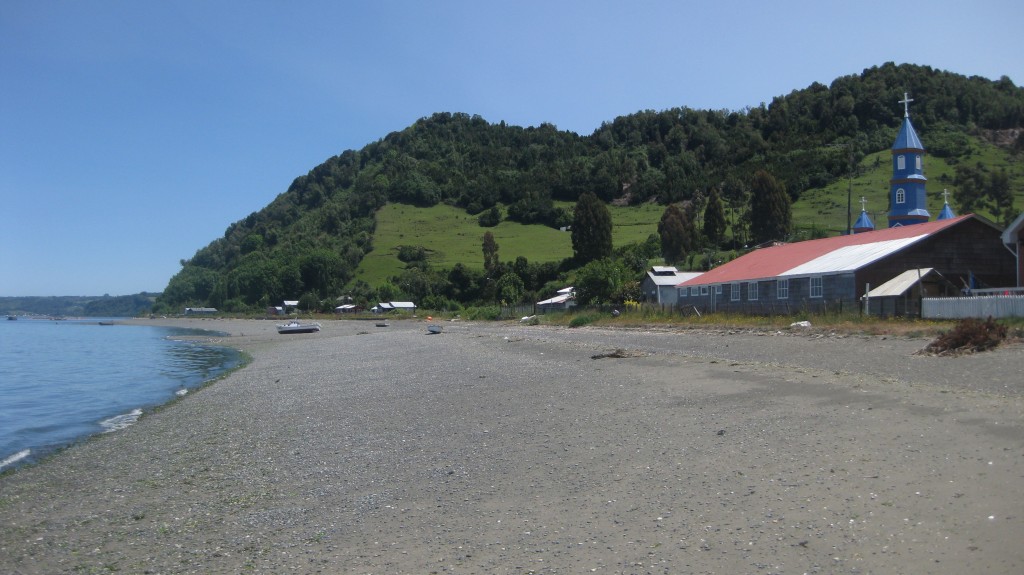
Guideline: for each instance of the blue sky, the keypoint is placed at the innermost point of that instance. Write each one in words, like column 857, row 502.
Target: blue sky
column 133, row 133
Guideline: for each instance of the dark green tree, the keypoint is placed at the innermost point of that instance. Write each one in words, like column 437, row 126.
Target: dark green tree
column 490, row 218
column 1002, row 196
column 490, row 248
column 591, row 229
column 714, row 218
column 676, row 233
column 771, row 216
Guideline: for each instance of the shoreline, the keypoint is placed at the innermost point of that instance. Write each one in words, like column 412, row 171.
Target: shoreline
column 504, row 448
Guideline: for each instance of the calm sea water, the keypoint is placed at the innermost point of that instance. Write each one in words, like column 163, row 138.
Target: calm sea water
column 61, row 381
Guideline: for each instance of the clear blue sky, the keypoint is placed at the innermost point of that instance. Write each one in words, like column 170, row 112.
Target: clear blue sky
column 132, row 133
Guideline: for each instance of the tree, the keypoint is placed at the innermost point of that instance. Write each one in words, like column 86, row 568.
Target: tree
column 1002, row 196
column 598, row 281
column 676, row 233
column 771, row 217
column 490, row 218
column 509, row 288
column 490, row 248
column 714, row 218
column 591, row 229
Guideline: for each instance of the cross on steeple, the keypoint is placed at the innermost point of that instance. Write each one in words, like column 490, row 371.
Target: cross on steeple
column 863, row 204
column 945, row 195
column 906, row 105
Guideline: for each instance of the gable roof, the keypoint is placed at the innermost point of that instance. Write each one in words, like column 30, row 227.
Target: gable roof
column 672, row 279
column 824, row 256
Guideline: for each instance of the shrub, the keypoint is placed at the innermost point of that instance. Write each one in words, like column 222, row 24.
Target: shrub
column 583, row 319
column 492, row 312
column 968, row 336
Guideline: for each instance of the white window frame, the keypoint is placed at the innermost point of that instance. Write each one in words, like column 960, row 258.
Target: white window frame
column 901, row 162
column 782, row 289
column 718, row 289
column 734, row 294
column 816, row 287
column 917, row 161
column 751, row 291
column 680, row 292
column 694, row 290
column 901, row 196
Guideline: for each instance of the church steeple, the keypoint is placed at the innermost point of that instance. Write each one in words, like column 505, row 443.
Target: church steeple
column 947, row 212
column 864, row 223
column 906, row 188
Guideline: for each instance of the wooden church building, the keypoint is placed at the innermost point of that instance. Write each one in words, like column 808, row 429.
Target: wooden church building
column 833, row 274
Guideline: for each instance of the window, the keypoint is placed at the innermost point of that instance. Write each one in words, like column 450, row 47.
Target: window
column 816, row 290
column 901, row 162
column 782, row 289
column 682, row 292
column 694, row 290
column 735, row 295
column 901, row 196
column 752, row 291
column 703, row 290
column 718, row 289
column 917, row 161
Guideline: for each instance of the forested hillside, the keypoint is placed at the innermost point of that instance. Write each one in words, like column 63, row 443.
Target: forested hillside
column 309, row 241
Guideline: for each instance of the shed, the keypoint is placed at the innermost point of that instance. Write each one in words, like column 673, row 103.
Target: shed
column 901, row 296
column 565, row 299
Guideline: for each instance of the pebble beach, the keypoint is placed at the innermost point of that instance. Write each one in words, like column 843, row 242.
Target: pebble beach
column 511, row 449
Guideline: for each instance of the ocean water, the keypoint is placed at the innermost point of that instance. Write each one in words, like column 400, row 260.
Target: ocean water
column 65, row 380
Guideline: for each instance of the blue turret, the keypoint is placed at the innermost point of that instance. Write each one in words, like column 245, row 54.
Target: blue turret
column 947, row 212
column 906, row 188
column 864, row 223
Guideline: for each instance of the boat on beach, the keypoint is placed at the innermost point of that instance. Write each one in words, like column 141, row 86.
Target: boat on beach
column 295, row 326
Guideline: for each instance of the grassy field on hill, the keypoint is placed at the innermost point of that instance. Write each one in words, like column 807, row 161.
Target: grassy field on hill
column 452, row 236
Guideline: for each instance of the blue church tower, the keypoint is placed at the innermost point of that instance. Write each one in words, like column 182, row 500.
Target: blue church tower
column 906, row 188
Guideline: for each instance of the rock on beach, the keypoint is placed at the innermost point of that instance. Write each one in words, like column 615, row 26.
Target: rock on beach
column 512, row 448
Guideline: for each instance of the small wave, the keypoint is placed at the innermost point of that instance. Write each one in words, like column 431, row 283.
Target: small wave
column 181, row 392
column 15, row 458
column 121, row 421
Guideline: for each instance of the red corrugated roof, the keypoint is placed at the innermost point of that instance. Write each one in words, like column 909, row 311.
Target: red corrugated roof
column 775, row 261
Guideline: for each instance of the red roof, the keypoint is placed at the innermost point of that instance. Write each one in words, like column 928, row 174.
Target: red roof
column 826, row 255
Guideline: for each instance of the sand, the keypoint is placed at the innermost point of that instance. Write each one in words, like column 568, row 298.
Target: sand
column 501, row 448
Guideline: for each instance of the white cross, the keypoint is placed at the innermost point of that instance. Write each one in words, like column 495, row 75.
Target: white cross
column 945, row 195
column 863, row 204
column 906, row 105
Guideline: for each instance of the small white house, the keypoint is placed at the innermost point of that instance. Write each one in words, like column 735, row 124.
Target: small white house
column 565, row 299
column 390, row 306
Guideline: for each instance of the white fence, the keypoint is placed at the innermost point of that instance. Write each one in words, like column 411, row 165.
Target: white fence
column 996, row 306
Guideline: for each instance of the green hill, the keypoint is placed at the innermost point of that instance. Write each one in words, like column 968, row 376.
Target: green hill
column 399, row 218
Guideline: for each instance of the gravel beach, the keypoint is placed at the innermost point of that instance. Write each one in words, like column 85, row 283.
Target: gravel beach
column 505, row 448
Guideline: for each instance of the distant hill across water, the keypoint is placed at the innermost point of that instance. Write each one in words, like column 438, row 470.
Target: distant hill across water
column 80, row 306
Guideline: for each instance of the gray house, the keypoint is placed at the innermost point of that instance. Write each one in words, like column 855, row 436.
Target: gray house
column 659, row 285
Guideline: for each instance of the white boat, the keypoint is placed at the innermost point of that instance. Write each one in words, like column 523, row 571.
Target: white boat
column 295, row 326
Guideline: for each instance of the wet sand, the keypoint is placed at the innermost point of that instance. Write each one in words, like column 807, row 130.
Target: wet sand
column 500, row 448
